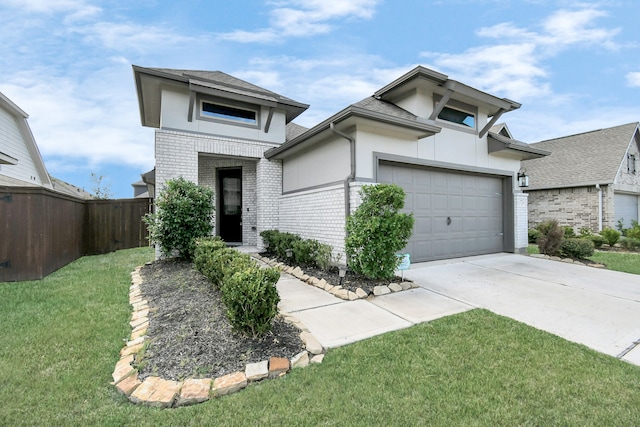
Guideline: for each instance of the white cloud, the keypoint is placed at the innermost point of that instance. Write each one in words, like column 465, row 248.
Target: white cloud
column 46, row 6
column 516, row 68
column 303, row 18
column 633, row 79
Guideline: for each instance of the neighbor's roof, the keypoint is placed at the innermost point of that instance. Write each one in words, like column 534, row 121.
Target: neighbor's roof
column 578, row 160
column 149, row 80
column 368, row 108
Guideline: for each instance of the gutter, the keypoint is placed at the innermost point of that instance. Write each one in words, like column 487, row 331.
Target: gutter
column 599, row 207
column 350, row 178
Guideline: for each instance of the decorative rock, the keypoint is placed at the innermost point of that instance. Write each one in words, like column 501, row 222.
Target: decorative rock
column 361, row 293
column 318, row 358
column 131, row 350
column 313, row 281
column 596, row 265
column 381, row 290
column 352, row 296
column 543, row 256
column 155, row 391
column 257, row 371
column 136, row 341
column 312, row 345
column 555, row 258
column 143, row 304
column 229, row 384
column 278, row 366
column 138, row 333
column 395, row 287
column 141, row 321
column 129, row 384
column 143, row 325
column 341, row 293
column 297, row 272
column 123, row 369
column 305, row 278
column 406, row 285
column 300, row 360
column 322, row 284
column 140, row 314
column 194, row 391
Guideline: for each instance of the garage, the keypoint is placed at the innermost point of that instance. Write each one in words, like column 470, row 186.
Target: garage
column 456, row 214
column 626, row 208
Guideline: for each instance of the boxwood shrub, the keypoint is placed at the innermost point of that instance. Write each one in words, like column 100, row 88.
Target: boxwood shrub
column 611, row 236
column 576, row 248
column 305, row 252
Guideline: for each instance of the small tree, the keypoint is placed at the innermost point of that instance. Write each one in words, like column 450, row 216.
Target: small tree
column 183, row 213
column 99, row 188
column 377, row 231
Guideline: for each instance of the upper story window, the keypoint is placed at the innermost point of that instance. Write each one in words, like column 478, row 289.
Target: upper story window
column 460, row 117
column 226, row 112
column 631, row 163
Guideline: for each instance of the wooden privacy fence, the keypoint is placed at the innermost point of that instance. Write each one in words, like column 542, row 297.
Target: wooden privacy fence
column 42, row 231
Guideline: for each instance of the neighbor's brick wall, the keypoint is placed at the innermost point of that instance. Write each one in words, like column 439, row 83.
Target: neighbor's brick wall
column 576, row 207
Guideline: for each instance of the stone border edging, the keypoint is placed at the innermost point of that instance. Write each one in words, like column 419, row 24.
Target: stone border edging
column 567, row 260
column 337, row 291
column 158, row 392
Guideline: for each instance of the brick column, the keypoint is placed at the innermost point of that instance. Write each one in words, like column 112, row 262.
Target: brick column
column 268, row 190
column 521, row 222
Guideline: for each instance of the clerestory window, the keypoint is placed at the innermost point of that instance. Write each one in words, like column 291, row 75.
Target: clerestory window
column 227, row 112
column 460, row 117
column 631, row 163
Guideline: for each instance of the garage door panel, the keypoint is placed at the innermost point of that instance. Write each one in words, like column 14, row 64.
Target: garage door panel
column 626, row 208
column 474, row 204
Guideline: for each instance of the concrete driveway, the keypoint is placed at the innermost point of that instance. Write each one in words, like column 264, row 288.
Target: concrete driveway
column 594, row 307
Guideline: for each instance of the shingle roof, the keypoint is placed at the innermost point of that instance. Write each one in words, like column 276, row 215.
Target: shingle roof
column 294, row 130
column 379, row 106
column 584, row 159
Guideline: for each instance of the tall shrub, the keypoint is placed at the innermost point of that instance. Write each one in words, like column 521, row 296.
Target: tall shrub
column 183, row 213
column 551, row 235
column 377, row 231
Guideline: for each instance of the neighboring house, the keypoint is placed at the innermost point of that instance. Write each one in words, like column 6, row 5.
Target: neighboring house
column 427, row 133
column 590, row 180
column 21, row 164
column 145, row 188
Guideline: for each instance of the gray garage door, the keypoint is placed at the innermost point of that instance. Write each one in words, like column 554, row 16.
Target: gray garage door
column 455, row 214
column 626, row 207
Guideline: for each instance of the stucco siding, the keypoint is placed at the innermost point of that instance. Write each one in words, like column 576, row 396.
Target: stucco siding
column 13, row 144
column 175, row 108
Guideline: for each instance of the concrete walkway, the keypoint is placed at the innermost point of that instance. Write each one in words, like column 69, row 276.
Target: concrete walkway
column 595, row 307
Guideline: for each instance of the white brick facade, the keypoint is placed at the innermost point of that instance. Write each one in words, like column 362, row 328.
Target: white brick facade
column 197, row 158
column 521, row 226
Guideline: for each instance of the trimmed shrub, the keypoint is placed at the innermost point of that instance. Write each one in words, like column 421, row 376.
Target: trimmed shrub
column 577, row 248
column 630, row 243
column 304, row 251
column 551, row 235
column 251, row 299
column 611, row 236
column 534, row 235
column 203, row 257
column 634, row 231
column 184, row 213
column 597, row 240
column 377, row 231
column 569, row 233
column 585, row 232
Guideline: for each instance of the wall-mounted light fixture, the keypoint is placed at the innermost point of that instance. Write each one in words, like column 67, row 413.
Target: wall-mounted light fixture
column 523, row 178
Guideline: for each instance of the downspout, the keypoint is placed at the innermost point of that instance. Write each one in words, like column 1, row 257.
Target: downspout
column 599, row 207
column 352, row 175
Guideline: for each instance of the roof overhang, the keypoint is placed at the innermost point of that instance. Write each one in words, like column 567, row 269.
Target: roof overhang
column 352, row 116
column 442, row 85
column 501, row 145
column 150, row 82
column 6, row 159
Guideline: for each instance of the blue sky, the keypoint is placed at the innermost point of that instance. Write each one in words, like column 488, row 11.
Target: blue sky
column 573, row 65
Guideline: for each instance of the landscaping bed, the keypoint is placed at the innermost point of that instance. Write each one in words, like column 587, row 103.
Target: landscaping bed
column 189, row 333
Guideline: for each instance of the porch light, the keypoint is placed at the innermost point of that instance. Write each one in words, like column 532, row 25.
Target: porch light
column 523, row 178
column 289, row 252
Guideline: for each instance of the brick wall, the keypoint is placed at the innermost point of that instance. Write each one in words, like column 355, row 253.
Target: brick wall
column 576, row 207
column 521, row 222
column 268, row 192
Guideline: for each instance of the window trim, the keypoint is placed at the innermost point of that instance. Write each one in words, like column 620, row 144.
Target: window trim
column 201, row 100
column 459, row 106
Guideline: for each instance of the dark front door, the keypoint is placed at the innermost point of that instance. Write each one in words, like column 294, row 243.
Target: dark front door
column 230, row 205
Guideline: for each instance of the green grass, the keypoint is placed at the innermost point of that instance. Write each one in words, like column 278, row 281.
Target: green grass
column 61, row 336
column 627, row 262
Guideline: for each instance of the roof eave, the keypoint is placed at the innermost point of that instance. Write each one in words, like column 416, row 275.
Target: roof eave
column 424, row 129
column 498, row 143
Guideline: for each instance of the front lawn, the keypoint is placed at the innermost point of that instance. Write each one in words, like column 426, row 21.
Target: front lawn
column 60, row 339
column 627, row 262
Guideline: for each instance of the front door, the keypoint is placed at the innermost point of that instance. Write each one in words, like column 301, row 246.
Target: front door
column 230, row 205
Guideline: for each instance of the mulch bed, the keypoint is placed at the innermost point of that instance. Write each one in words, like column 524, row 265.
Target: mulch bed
column 189, row 334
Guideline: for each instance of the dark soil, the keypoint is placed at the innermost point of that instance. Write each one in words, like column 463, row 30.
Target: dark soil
column 351, row 281
column 189, row 334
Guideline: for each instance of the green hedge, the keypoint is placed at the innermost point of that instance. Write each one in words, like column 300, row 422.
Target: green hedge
column 248, row 291
column 304, row 252
column 576, row 248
